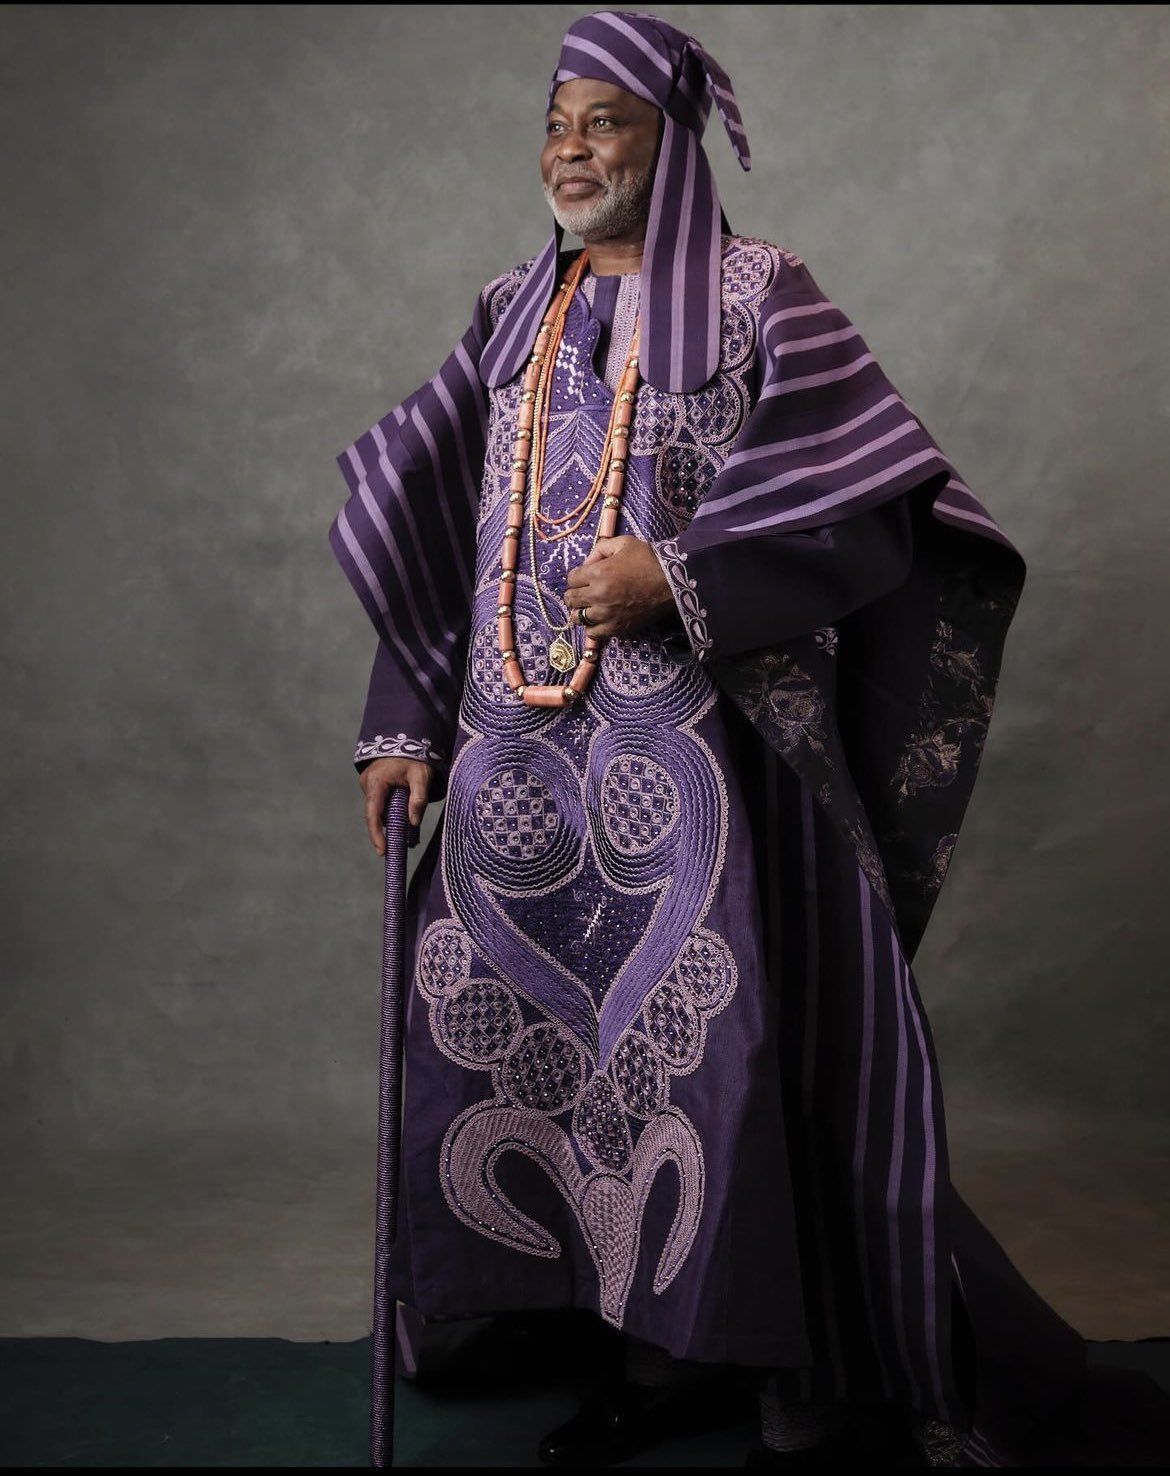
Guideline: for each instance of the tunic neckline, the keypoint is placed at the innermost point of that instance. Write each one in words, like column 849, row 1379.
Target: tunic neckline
column 611, row 302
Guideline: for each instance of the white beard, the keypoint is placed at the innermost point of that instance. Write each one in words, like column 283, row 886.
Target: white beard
column 617, row 209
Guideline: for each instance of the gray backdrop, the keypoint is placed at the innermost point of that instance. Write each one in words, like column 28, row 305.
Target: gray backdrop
column 234, row 237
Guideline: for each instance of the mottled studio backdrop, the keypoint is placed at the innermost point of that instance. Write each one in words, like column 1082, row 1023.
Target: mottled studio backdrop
column 233, row 237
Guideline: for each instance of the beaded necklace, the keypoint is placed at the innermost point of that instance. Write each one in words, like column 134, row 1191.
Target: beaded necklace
column 528, row 455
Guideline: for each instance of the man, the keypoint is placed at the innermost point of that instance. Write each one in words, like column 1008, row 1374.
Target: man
column 666, row 920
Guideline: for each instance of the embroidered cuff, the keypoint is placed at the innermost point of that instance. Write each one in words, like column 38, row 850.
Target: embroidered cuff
column 686, row 596
column 400, row 745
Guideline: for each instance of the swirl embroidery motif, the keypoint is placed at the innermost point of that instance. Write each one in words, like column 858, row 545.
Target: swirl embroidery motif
column 402, row 745
column 583, row 848
column 575, row 967
column 686, row 596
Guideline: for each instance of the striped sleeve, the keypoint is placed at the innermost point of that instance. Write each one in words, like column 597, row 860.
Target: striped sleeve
column 405, row 539
column 807, row 518
column 381, row 733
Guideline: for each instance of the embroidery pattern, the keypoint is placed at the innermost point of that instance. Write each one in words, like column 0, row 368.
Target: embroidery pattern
column 686, row 596
column 956, row 705
column 788, row 705
column 624, row 312
column 932, row 772
column 826, row 638
column 606, row 803
column 931, row 878
column 500, row 291
column 622, row 329
column 683, row 472
column 575, row 969
column 780, row 695
column 403, row 745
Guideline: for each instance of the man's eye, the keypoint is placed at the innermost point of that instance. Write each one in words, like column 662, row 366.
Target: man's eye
column 549, row 127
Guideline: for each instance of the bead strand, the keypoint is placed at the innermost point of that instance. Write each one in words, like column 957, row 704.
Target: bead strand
column 528, row 454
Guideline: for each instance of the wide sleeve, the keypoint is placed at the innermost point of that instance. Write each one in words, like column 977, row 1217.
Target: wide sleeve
column 393, row 722
column 736, row 595
column 809, row 517
column 405, row 539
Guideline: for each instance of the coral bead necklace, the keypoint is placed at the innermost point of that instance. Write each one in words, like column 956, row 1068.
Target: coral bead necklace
column 528, row 456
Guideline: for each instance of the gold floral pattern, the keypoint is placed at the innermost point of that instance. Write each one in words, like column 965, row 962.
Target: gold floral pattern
column 956, row 708
column 780, row 694
column 790, row 703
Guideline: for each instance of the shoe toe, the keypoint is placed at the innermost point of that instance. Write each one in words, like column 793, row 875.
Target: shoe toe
column 611, row 1424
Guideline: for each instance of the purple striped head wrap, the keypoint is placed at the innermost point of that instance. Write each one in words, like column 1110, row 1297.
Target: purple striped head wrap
column 680, row 281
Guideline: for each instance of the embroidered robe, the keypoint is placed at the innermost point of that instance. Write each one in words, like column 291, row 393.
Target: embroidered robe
column 666, row 1055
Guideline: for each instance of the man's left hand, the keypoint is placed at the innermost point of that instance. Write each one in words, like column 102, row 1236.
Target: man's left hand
column 623, row 585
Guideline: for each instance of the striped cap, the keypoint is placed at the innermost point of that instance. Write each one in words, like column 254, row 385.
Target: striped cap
column 680, row 282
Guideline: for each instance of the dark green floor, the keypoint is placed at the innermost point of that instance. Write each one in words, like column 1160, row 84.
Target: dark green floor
column 269, row 1402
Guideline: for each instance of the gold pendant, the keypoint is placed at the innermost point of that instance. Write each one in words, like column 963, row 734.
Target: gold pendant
column 561, row 654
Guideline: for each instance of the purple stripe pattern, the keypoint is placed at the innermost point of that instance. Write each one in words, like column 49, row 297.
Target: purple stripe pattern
column 894, row 1263
column 649, row 57
column 405, row 539
column 831, row 434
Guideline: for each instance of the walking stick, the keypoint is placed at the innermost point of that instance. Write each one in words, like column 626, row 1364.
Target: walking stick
column 389, row 1129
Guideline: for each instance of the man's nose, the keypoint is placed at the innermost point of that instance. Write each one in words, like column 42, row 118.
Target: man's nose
column 572, row 146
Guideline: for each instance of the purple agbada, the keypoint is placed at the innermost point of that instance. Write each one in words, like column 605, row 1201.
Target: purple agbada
column 666, row 1054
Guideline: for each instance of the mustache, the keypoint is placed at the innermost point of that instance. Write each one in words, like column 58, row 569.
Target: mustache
column 573, row 178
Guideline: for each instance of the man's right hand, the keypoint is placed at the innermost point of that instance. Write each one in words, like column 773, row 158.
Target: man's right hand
column 376, row 780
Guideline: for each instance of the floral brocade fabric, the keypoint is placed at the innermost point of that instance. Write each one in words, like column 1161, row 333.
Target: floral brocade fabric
column 588, row 962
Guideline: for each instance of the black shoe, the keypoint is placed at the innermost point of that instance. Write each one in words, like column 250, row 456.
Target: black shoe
column 619, row 1420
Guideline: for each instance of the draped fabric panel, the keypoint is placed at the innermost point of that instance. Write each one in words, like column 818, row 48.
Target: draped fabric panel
column 830, row 433
column 829, row 438
column 887, row 720
column 740, row 593
column 405, row 539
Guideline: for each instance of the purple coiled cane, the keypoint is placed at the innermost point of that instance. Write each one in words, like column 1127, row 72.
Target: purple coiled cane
column 389, row 1129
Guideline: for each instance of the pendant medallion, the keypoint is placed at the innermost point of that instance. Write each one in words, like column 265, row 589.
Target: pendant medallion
column 561, row 654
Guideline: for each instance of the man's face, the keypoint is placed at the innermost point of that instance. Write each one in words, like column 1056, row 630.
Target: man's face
column 598, row 158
